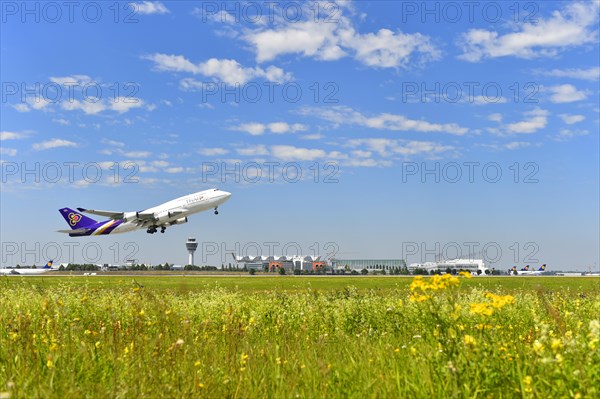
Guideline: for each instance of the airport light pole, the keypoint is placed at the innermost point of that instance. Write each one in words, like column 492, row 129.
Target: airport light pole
column 191, row 246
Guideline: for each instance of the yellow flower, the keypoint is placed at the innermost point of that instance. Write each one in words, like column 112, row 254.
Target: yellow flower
column 469, row 340
column 197, row 363
column 538, row 347
column 482, row 309
column 556, row 344
column 397, row 350
column 49, row 364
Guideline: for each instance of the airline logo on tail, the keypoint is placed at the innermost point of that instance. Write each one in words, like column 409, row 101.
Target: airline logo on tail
column 74, row 218
column 48, row 265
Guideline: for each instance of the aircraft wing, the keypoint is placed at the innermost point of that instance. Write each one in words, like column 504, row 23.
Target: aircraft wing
column 108, row 214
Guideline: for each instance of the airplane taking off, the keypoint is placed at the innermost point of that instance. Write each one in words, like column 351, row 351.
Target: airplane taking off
column 28, row 272
column 162, row 216
column 526, row 272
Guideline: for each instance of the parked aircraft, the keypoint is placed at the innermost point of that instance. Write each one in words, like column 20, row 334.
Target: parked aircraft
column 28, row 272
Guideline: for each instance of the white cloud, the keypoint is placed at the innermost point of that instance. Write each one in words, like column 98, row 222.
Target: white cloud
column 257, row 129
column 291, row 153
column 575, row 73
column 312, row 136
column 535, row 120
column 113, row 143
column 495, row 117
column 568, row 134
column 61, row 121
column 571, row 119
column 53, row 143
column 21, row 107
column 73, row 80
column 516, row 145
column 5, row 135
column 388, row 147
column 209, row 152
column 283, row 127
column 345, row 115
column 565, row 94
column 150, row 7
column 88, row 108
column 160, row 164
column 11, row 152
column 484, row 100
column 570, row 27
column 329, row 40
column 225, row 70
column 137, row 154
column 124, row 104
column 255, row 150
column 176, row 169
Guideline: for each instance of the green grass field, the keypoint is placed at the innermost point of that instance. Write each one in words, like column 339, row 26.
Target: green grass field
column 284, row 337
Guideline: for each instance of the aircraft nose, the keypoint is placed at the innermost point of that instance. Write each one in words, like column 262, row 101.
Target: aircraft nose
column 227, row 194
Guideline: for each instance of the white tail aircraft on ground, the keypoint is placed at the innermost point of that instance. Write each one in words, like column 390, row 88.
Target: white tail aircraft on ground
column 162, row 216
column 27, row 271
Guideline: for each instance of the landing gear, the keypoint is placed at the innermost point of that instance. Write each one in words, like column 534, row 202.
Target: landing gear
column 151, row 230
column 162, row 229
column 216, row 212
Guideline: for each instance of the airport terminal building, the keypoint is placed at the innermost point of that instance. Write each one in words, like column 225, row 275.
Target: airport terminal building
column 371, row 265
column 289, row 263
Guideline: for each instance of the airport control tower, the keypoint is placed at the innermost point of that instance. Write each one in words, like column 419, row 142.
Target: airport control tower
column 191, row 246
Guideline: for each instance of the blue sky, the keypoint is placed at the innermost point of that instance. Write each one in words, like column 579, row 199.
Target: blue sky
column 400, row 115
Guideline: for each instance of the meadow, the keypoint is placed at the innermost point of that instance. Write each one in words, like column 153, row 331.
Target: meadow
column 307, row 337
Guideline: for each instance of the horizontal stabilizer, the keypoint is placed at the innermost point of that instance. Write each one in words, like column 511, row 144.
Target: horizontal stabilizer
column 108, row 214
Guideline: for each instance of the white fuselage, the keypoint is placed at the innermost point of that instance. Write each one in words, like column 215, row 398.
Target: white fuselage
column 25, row 272
column 181, row 207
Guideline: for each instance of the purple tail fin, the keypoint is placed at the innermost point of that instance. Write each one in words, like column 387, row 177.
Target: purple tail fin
column 75, row 219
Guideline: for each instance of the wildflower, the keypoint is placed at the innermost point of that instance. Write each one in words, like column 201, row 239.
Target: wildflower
column 49, row 364
column 466, row 274
column 200, row 385
column 482, row 309
column 527, row 381
column 97, row 344
column 556, row 344
column 142, row 313
column 469, row 340
column 397, row 350
column 538, row 347
column 179, row 342
column 243, row 359
column 197, row 363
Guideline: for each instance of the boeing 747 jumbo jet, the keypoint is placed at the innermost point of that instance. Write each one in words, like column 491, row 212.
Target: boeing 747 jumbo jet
column 162, row 216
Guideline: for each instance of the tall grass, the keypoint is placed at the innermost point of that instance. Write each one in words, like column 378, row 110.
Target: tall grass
column 431, row 339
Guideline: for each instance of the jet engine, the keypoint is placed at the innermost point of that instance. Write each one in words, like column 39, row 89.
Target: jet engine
column 178, row 221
